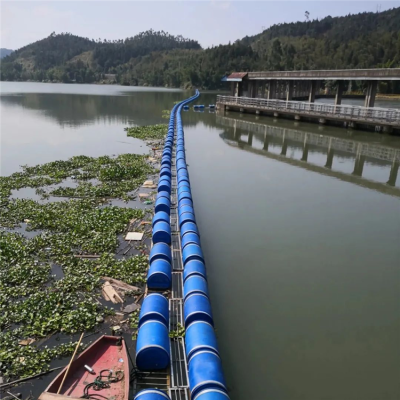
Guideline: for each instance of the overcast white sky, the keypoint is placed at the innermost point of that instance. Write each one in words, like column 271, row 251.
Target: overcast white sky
column 210, row 22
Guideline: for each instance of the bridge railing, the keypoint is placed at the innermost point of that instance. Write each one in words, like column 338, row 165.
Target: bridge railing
column 387, row 115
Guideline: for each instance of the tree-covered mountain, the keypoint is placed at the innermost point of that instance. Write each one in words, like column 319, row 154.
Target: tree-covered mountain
column 365, row 40
column 5, row 52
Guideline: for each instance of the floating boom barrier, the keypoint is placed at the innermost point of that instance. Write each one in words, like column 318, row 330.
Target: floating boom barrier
column 206, row 378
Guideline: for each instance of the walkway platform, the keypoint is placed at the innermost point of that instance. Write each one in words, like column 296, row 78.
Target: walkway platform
column 386, row 119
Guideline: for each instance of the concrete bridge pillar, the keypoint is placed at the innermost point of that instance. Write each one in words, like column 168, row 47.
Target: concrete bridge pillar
column 371, row 93
column 339, row 93
column 313, row 90
column 271, row 92
column 394, row 170
column 253, row 89
column 289, row 90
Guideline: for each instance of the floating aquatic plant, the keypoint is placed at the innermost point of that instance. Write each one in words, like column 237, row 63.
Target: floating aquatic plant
column 148, row 131
column 23, row 361
column 35, row 303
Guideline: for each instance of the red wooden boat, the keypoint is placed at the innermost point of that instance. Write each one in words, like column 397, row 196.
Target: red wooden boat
column 107, row 354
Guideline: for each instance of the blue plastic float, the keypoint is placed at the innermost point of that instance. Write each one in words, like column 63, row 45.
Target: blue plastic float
column 159, row 276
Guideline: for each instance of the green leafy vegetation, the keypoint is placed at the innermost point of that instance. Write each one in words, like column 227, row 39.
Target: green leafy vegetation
column 148, row 132
column 365, row 40
column 114, row 177
column 24, row 361
column 166, row 114
column 178, row 332
column 46, row 283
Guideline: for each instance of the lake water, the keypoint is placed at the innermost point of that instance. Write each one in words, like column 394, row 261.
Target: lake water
column 300, row 228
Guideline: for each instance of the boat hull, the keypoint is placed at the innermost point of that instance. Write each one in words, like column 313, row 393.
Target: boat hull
column 104, row 354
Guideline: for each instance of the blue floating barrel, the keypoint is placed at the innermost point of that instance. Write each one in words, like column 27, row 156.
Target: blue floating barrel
column 160, row 251
column 186, row 217
column 184, row 195
column 180, row 164
column 154, row 307
column 152, row 346
column 165, row 171
column 195, row 284
column 186, row 202
column 160, row 275
column 166, row 178
column 190, row 238
column 205, row 372
column 162, row 232
column 164, row 185
column 151, row 394
column 194, row 268
column 165, row 160
column 160, row 216
column 186, row 107
column 212, row 394
column 197, row 307
column 192, row 252
column 185, row 209
column 162, row 204
column 188, row 227
column 183, row 178
column 183, row 187
column 163, row 194
column 199, row 336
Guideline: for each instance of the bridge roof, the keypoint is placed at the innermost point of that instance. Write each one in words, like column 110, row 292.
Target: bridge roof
column 236, row 76
column 379, row 74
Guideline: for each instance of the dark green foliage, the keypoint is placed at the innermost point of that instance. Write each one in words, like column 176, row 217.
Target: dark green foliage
column 366, row 40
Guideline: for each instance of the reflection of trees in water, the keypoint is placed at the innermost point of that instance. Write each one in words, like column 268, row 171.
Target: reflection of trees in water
column 77, row 109
column 141, row 108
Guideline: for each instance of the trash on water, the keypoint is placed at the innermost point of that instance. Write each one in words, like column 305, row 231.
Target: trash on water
column 134, row 236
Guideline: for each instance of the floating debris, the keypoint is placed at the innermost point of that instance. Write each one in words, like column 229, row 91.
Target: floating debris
column 134, row 236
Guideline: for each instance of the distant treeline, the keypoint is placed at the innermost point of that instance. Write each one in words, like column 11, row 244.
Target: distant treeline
column 366, row 40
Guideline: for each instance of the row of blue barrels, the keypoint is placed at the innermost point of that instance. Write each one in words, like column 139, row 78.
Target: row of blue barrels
column 207, row 394
column 206, row 378
column 152, row 346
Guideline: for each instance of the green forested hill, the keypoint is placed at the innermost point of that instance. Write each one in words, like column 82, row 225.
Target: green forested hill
column 365, row 40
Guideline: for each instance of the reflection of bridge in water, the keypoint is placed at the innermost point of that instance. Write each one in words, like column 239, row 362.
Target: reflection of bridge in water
column 324, row 144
